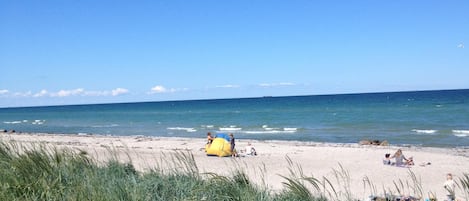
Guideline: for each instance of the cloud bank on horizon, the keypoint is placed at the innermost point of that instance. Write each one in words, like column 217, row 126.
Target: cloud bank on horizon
column 157, row 89
column 63, row 93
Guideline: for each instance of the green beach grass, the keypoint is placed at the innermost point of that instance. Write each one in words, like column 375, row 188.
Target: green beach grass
column 40, row 172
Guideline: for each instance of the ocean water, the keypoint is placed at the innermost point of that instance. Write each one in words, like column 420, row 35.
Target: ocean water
column 424, row 118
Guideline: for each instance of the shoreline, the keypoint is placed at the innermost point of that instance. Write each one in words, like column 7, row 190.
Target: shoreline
column 315, row 158
column 307, row 142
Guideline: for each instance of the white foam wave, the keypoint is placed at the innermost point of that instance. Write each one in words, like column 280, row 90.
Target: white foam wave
column 267, row 128
column 105, row 126
column 290, row 129
column 190, row 130
column 229, row 129
column 461, row 133
column 268, row 132
column 12, row 122
column 424, row 131
column 38, row 122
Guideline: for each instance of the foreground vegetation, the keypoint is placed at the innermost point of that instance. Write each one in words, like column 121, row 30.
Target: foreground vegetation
column 47, row 173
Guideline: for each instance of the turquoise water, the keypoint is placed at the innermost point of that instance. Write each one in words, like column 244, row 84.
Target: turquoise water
column 425, row 118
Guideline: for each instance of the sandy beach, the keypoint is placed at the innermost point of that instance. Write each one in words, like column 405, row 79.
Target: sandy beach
column 362, row 162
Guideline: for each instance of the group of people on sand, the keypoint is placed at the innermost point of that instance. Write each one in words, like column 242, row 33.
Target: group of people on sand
column 249, row 150
column 400, row 159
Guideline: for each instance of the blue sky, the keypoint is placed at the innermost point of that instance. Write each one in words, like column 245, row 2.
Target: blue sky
column 78, row 52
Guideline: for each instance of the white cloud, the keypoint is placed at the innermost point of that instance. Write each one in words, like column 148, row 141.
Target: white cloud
column 286, row 84
column 82, row 92
column 22, row 94
column 277, row 84
column 66, row 93
column 158, row 89
column 119, row 91
column 265, row 85
column 461, row 45
column 96, row 93
column 41, row 93
column 228, row 86
column 162, row 89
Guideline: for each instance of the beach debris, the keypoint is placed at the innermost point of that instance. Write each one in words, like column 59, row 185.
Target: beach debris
column 374, row 142
column 384, row 143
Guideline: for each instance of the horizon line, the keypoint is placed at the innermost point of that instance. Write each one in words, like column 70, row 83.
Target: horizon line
column 232, row 98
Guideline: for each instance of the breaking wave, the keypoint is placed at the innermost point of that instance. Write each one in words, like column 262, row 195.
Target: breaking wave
column 190, row 130
column 105, row 126
column 12, row 122
column 424, row 131
column 461, row 133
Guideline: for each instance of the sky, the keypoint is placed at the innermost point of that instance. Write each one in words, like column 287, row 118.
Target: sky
column 86, row 51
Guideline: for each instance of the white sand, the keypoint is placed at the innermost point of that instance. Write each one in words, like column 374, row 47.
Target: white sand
column 317, row 159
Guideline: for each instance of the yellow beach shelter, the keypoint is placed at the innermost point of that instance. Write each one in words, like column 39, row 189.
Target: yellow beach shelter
column 219, row 147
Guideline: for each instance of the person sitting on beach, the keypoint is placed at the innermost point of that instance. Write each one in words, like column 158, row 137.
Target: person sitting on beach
column 232, row 143
column 410, row 161
column 401, row 160
column 209, row 138
column 387, row 159
column 250, row 150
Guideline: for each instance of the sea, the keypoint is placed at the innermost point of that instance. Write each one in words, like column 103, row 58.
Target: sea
column 418, row 118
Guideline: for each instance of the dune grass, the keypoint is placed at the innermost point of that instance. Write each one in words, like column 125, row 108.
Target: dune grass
column 48, row 173
column 40, row 172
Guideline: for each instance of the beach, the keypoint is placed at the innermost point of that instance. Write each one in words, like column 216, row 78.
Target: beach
column 363, row 163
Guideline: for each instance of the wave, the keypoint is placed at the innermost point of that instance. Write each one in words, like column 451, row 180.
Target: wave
column 38, row 122
column 461, row 133
column 12, row 122
column 268, row 132
column 35, row 122
column 424, row 131
column 267, row 128
column 105, row 126
column 229, row 129
column 190, row 130
column 207, row 126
